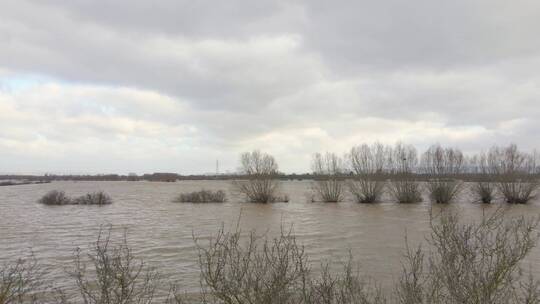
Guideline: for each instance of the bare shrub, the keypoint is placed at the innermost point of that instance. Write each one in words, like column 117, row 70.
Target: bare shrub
column 441, row 166
column 368, row 164
column 471, row 262
column 402, row 163
column 515, row 173
column 96, row 198
column 260, row 170
column 20, row 281
column 256, row 269
column 110, row 274
column 259, row 271
column 345, row 287
column 328, row 185
column 55, row 197
column 202, row 196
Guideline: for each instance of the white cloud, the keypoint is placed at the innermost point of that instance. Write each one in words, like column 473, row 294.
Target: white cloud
column 174, row 85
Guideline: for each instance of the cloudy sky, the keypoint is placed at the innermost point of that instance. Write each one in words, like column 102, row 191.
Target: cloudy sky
column 141, row 86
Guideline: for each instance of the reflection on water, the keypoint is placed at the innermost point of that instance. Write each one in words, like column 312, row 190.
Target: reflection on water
column 161, row 232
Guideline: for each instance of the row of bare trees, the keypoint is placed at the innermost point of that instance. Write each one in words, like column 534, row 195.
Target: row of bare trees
column 367, row 171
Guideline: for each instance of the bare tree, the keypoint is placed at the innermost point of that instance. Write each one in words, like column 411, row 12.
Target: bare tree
column 515, row 173
column 441, row 166
column 261, row 185
column 471, row 262
column 368, row 164
column 403, row 161
column 327, row 169
column 115, row 275
column 483, row 187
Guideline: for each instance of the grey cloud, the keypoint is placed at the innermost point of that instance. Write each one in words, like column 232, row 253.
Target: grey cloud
column 209, row 79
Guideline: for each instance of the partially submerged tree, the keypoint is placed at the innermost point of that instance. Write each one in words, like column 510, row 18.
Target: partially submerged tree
column 402, row 163
column 515, row 173
column 442, row 166
column 483, row 186
column 328, row 184
column 368, row 164
column 260, row 170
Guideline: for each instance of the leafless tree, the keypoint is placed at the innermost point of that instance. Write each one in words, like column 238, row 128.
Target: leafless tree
column 261, row 185
column 483, row 187
column 403, row 161
column 471, row 262
column 327, row 169
column 515, row 173
column 368, row 164
column 441, row 166
column 110, row 274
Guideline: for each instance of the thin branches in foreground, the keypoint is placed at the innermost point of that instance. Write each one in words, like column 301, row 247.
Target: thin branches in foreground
column 250, row 268
column 110, row 274
column 471, row 262
column 464, row 263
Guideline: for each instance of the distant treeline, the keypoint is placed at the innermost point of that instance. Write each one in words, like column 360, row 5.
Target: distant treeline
column 376, row 160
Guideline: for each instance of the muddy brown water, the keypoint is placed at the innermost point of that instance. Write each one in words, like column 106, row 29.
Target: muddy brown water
column 161, row 232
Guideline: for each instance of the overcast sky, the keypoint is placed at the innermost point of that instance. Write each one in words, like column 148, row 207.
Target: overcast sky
column 141, row 86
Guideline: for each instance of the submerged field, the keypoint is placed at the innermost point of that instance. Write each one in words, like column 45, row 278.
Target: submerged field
column 161, row 232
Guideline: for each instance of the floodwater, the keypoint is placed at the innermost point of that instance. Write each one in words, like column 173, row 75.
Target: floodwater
column 161, row 232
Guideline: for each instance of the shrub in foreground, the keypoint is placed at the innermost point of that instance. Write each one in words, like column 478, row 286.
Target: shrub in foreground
column 55, row 197
column 109, row 274
column 203, row 196
column 471, row 262
column 19, row 281
column 465, row 263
